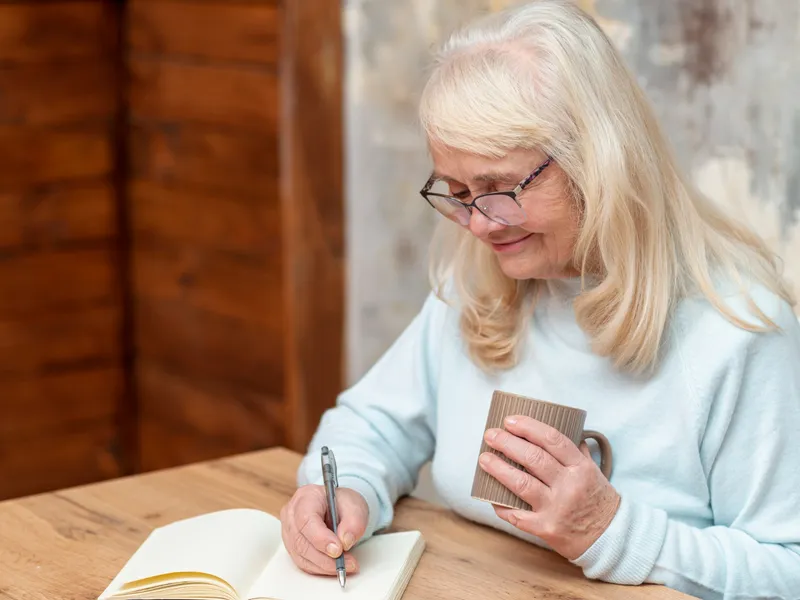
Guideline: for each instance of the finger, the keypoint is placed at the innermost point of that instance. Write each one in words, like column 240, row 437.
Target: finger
column 524, row 520
column 309, row 512
column 524, row 485
column 314, row 561
column 305, row 555
column 532, row 457
column 584, row 448
column 354, row 516
column 550, row 439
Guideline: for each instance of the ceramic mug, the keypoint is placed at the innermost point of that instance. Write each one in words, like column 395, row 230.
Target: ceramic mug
column 566, row 419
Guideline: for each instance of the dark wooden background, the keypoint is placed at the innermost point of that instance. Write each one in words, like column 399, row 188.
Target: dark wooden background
column 171, row 232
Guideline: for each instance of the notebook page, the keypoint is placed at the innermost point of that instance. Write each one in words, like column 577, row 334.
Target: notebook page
column 233, row 545
column 382, row 560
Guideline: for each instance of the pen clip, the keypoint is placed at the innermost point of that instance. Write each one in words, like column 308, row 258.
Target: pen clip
column 329, row 460
column 333, row 466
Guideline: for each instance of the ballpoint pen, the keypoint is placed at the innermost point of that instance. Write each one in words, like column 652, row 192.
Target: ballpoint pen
column 331, row 479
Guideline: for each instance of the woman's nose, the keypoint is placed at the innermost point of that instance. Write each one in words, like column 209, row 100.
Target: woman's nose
column 480, row 225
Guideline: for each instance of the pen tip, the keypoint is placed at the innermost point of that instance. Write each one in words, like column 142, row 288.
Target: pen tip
column 341, row 578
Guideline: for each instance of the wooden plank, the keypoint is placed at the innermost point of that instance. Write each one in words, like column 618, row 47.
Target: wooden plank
column 211, row 281
column 54, row 215
column 204, row 157
column 56, row 280
column 69, row 458
column 194, row 342
column 84, row 211
column 11, row 220
column 220, row 31
column 36, row 156
column 192, row 419
column 312, row 211
column 51, row 404
column 224, row 222
column 48, row 94
column 59, row 341
column 52, row 31
column 244, row 98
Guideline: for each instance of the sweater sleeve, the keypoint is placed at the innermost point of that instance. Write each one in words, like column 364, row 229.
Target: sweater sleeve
column 752, row 550
column 382, row 428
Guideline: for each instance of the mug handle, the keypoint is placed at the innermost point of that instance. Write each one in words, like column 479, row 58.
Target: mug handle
column 606, row 458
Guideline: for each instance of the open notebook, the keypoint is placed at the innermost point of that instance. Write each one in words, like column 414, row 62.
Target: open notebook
column 238, row 554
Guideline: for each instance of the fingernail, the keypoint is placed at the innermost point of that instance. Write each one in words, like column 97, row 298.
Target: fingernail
column 350, row 564
column 333, row 550
column 511, row 420
column 491, row 434
column 484, row 458
column 349, row 540
column 512, row 518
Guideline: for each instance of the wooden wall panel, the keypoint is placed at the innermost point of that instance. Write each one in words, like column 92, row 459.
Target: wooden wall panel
column 312, row 170
column 61, row 377
column 207, row 268
column 246, row 34
column 205, row 417
column 37, row 32
column 222, row 95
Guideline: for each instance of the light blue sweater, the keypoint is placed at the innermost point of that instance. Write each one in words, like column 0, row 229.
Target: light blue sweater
column 706, row 452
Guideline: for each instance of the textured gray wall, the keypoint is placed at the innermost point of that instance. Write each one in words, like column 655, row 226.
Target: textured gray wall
column 724, row 76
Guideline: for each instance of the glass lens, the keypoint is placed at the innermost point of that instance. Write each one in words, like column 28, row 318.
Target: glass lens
column 502, row 209
column 450, row 208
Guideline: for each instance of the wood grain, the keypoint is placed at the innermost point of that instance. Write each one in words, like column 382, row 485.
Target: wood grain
column 197, row 343
column 52, row 31
column 55, row 281
column 224, row 222
column 209, row 94
column 53, row 404
column 204, row 157
column 12, row 221
column 55, row 94
column 49, row 543
column 64, row 459
column 312, row 211
column 186, row 419
column 227, row 285
column 59, row 342
column 33, row 156
column 211, row 31
column 83, row 211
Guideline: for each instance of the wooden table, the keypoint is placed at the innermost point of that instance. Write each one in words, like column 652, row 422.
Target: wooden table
column 68, row 544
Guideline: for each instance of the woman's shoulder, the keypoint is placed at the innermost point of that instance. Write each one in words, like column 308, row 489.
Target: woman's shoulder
column 740, row 317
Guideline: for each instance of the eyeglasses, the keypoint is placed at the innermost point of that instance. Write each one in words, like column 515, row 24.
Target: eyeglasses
column 500, row 207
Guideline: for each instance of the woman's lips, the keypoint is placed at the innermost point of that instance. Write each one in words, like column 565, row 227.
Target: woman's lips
column 509, row 246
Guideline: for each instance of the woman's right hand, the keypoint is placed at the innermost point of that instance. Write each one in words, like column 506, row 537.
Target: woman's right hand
column 309, row 541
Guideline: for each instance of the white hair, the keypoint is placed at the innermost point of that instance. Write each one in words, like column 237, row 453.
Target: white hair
column 545, row 76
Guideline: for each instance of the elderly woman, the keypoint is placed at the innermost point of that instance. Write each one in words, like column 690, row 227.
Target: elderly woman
column 578, row 264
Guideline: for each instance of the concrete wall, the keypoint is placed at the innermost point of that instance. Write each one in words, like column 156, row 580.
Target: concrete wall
column 724, row 76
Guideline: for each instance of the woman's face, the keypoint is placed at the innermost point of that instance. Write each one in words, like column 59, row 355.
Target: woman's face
column 541, row 247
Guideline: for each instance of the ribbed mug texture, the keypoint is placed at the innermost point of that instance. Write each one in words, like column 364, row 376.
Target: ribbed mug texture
column 566, row 419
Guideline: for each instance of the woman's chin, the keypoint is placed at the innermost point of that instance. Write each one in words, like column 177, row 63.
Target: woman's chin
column 518, row 267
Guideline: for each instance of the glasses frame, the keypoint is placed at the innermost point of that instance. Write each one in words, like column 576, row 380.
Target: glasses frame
column 513, row 194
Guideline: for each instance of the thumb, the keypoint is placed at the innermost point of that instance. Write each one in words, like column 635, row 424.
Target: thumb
column 353, row 516
column 585, row 449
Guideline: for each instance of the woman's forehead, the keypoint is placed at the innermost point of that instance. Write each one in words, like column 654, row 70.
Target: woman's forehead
column 453, row 165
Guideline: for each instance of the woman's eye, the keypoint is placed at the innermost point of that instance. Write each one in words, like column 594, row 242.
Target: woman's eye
column 461, row 195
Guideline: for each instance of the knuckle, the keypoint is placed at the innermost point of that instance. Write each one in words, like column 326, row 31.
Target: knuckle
column 301, row 544
column 533, row 455
column 555, row 437
column 522, row 484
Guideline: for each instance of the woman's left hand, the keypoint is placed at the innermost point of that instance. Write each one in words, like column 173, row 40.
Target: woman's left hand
column 572, row 503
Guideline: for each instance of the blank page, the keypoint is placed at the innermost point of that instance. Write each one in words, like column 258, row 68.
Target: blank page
column 384, row 560
column 233, row 545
